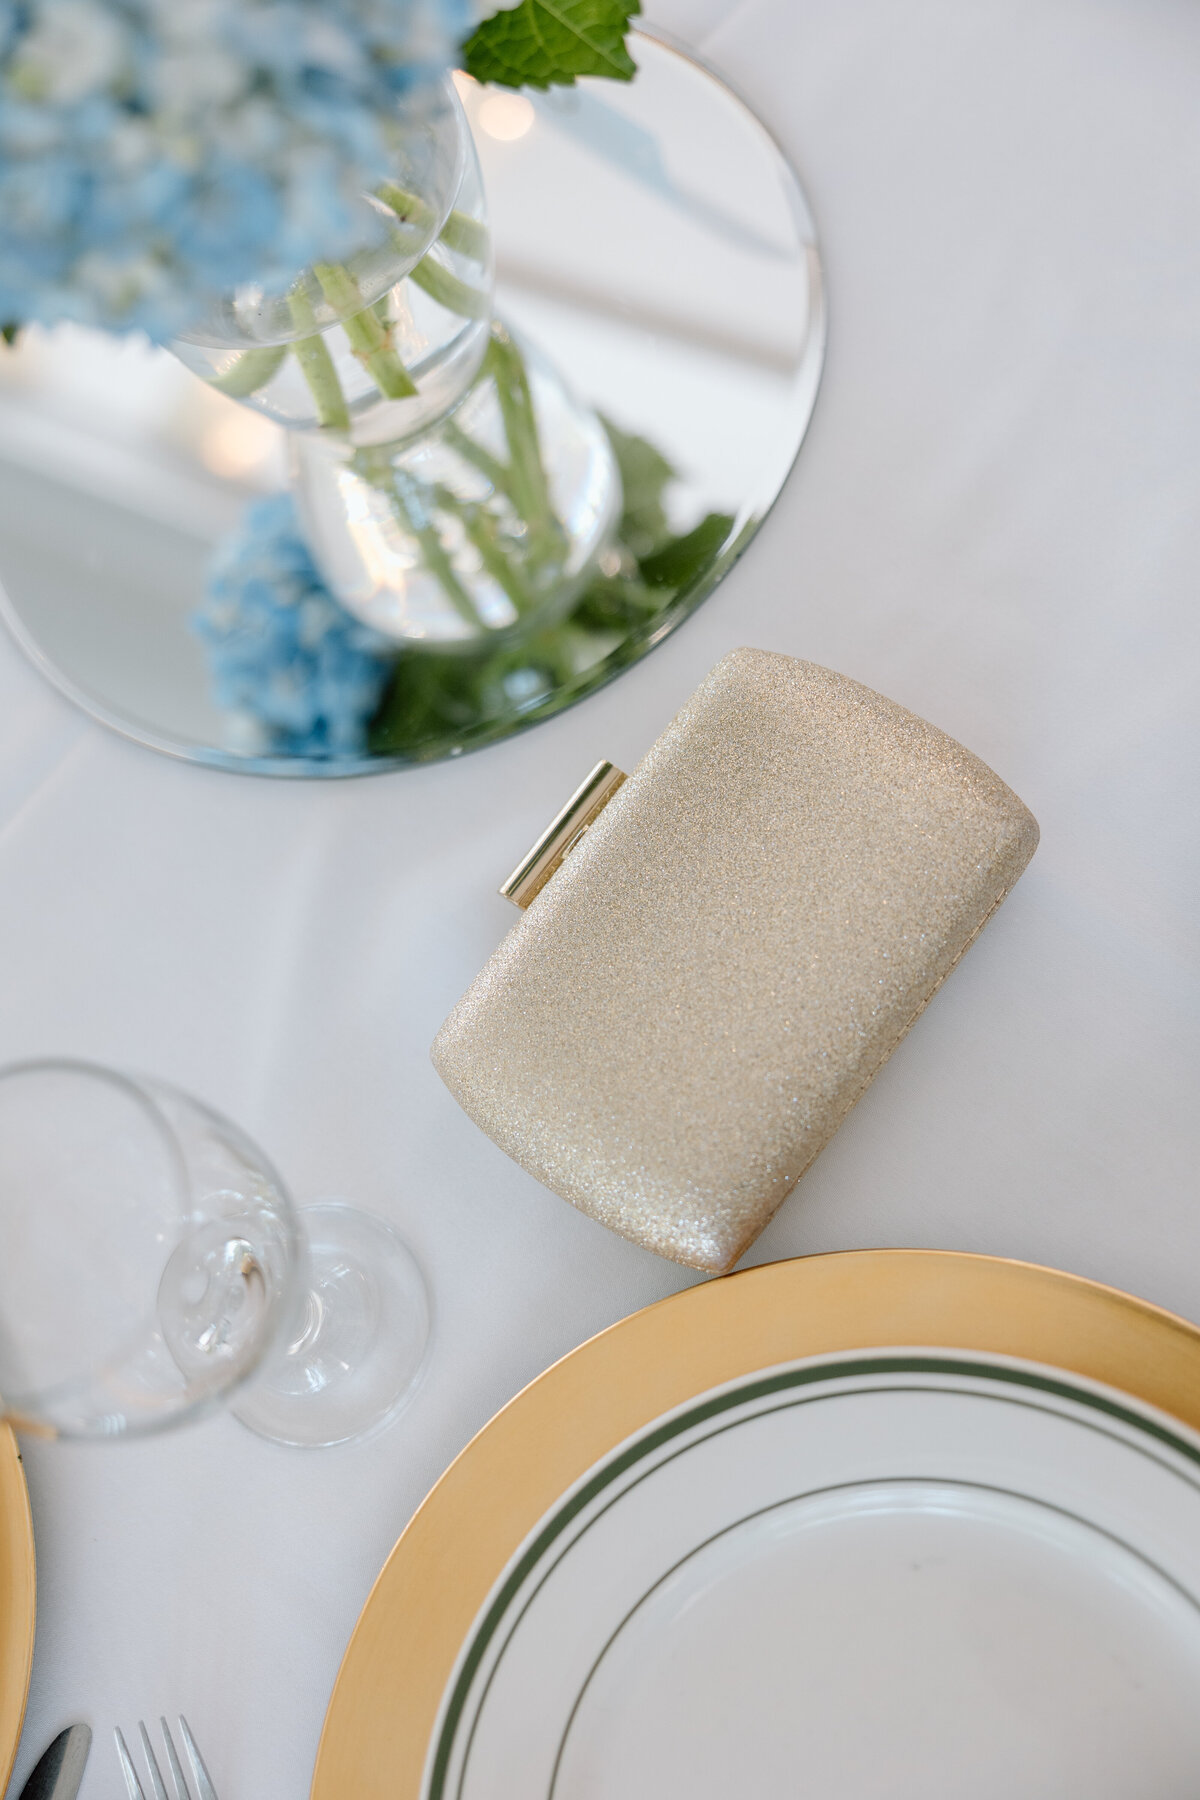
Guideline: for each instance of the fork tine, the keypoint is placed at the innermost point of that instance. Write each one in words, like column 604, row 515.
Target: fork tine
column 177, row 1776
column 132, row 1785
column 204, row 1786
column 156, row 1780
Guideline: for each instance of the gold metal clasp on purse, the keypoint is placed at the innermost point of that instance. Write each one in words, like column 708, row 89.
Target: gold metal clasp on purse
column 562, row 834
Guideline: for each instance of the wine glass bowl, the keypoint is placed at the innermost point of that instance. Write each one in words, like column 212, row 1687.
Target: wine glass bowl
column 152, row 1262
column 149, row 1252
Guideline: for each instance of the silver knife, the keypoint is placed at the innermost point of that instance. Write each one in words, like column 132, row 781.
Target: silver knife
column 59, row 1773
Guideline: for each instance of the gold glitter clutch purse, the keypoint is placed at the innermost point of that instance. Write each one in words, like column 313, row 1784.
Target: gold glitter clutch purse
column 720, row 952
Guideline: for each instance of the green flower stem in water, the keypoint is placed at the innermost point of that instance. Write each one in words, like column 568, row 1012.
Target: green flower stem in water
column 368, row 336
column 411, row 509
column 410, row 209
column 460, row 232
column 498, row 473
column 522, row 481
column 484, row 532
column 368, row 329
column 312, row 353
column 529, row 489
column 466, row 235
column 251, row 371
column 455, row 295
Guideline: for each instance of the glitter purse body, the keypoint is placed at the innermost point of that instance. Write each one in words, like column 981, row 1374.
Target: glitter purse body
column 720, row 952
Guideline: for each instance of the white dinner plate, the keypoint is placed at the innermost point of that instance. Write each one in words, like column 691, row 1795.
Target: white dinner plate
column 896, row 1575
column 906, row 1570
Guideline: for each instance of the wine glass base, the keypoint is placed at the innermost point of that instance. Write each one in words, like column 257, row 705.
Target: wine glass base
column 358, row 1351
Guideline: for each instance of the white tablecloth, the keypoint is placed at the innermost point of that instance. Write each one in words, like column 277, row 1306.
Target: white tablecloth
column 995, row 520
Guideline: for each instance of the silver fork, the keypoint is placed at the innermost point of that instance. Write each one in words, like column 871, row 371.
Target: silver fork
column 204, row 1787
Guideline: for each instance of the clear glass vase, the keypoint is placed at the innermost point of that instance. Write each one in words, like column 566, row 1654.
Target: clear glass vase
column 485, row 525
column 379, row 345
column 452, row 490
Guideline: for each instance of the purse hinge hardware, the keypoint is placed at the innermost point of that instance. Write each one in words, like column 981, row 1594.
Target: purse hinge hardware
column 562, row 835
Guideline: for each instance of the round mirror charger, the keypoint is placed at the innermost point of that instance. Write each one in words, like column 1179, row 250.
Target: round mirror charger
column 654, row 252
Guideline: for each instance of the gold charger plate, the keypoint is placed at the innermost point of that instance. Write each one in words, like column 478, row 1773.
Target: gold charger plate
column 389, row 1691
column 18, row 1600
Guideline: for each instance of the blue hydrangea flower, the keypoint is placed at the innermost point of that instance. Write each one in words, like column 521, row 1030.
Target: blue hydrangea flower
column 282, row 652
column 156, row 153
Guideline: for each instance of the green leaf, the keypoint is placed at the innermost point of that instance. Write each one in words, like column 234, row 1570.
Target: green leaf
column 432, row 696
column 684, row 559
column 618, row 603
column 645, row 476
column 9, row 333
column 541, row 42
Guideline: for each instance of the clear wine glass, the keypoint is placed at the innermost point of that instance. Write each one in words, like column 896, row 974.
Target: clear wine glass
column 152, row 1263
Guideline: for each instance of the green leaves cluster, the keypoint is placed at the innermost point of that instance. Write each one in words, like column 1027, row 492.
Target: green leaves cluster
column 436, row 699
column 656, row 564
column 541, row 43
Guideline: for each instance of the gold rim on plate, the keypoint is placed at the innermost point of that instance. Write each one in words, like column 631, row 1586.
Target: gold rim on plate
column 389, row 1691
column 18, row 1600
